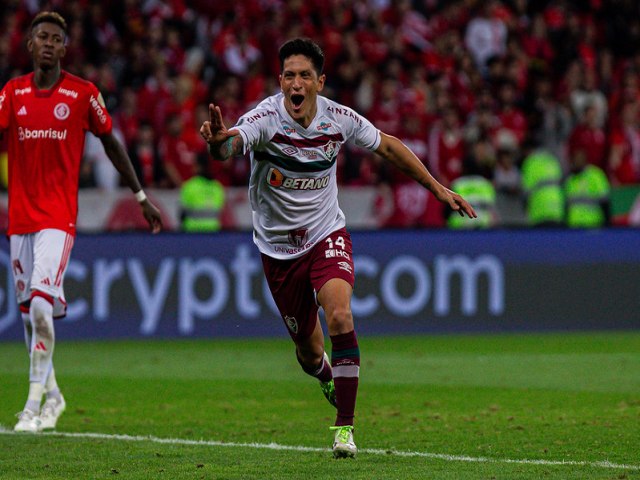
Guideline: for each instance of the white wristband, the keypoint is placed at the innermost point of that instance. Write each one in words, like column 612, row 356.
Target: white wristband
column 140, row 196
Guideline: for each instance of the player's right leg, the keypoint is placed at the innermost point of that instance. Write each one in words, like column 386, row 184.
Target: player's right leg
column 39, row 262
column 295, row 298
column 21, row 247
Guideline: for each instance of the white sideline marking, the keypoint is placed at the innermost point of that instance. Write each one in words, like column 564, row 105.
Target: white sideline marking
column 300, row 448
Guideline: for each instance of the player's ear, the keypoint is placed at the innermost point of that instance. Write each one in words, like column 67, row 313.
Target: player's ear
column 321, row 80
column 30, row 44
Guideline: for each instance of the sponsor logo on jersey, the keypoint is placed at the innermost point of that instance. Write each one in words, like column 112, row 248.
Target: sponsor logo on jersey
column 310, row 154
column 257, row 116
column 292, row 323
column 22, row 111
column 68, row 93
column 345, row 266
column 97, row 104
column 331, row 150
column 22, row 91
column 347, row 112
column 36, row 134
column 61, row 111
column 291, row 151
column 298, row 237
column 287, row 129
column 333, row 253
column 276, row 178
column 324, row 126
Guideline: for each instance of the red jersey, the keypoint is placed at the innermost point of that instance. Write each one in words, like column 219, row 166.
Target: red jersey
column 45, row 132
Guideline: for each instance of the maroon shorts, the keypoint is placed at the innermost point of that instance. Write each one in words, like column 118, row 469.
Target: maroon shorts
column 295, row 283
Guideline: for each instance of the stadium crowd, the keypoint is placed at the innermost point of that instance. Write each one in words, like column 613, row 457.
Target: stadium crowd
column 469, row 85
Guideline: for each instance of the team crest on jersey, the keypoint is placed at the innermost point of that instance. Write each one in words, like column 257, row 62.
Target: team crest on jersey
column 61, row 111
column 298, row 237
column 292, row 323
column 331, row 150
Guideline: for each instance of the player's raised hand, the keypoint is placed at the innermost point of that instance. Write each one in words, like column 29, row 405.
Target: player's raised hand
column 214, row 130
column 223, row 143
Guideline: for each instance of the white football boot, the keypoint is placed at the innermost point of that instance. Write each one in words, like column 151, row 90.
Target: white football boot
column 50, row 412
column 28, row 421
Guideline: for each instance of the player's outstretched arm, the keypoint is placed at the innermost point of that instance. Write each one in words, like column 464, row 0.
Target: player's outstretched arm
column 222, row 143
column 120, row 159
column 396, row 152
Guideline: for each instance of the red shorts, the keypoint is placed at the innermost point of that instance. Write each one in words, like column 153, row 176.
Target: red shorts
column 295, row 283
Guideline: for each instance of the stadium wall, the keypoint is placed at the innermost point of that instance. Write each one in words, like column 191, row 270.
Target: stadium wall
column 177, row 285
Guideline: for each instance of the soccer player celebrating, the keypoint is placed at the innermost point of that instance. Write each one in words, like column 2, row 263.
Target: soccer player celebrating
column 45, row 115
column 294, row 138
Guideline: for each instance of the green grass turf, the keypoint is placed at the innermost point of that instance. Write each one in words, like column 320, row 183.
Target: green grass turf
column 503, row 398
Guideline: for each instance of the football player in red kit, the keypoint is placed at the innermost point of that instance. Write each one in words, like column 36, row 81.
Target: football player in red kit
column 44, row 116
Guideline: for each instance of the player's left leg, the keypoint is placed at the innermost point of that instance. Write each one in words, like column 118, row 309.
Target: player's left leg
column 335, row 297
column 333, row 278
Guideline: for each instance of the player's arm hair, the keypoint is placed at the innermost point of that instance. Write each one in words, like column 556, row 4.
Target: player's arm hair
column 120, row 159
column 229, row 147
column 396, row 152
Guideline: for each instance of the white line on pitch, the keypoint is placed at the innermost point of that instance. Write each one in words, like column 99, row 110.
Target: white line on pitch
column 299, row 448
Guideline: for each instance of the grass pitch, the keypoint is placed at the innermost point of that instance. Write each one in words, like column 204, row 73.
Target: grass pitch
column 553, row 406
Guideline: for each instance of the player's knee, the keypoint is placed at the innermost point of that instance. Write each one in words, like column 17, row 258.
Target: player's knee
column 41, row 317
column 340, row 319
column 310, row 361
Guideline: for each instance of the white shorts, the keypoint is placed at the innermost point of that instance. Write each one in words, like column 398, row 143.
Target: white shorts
column 39, row 261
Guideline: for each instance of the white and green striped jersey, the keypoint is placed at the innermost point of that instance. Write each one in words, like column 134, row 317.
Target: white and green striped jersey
column 293, row 189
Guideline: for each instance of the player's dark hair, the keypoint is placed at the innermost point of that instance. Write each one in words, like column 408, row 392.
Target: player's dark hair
column 302, row 46
column 49, row 17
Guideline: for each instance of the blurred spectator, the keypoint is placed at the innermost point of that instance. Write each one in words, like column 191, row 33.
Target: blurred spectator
column 506, row 176
column 587, row 194
column 588, row 94
column 486, row 35
column 201, row 201
column 479, row 192
column 240, row 53
column 446, row 147
column 541, row 182
column 549, row 120
column 590, row 138
column 624, row 141
column 509, row 114
column 177, row 150
column 145, row 157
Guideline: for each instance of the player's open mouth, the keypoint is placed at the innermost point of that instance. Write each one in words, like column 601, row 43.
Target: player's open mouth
column 296, row 101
